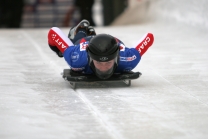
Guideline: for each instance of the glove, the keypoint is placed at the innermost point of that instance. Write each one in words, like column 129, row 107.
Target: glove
column 56, row 50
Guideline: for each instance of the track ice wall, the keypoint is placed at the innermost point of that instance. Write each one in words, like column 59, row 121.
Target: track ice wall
column 192, row 12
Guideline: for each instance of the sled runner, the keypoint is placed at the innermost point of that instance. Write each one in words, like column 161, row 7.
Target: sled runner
column 75, row 77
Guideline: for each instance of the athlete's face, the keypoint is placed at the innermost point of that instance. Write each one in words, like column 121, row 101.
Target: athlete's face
column 104, row 70
column 103, row 66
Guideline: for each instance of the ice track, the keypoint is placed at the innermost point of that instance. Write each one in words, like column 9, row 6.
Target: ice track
column 169, row 100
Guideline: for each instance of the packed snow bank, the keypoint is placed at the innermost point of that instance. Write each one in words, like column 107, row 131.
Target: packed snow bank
column 192, row 12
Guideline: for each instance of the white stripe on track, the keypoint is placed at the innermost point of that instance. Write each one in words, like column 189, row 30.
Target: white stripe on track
column 42, row 54
column 112, row 131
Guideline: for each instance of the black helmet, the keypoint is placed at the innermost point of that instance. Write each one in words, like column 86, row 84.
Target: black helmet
column 103, row 48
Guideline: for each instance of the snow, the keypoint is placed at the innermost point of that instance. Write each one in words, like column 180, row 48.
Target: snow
column 169, row 100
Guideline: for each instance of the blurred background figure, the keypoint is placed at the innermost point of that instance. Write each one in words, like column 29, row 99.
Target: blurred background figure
column 108, row 10
column 66, row 13
column 85, row 10
column 40, row 13
column 11, row 13
column 112, row 9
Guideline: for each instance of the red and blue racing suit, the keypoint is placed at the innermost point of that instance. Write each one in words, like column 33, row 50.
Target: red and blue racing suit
column 77, row 57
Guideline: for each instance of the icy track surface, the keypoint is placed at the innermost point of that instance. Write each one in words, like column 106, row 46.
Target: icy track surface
column 169, row 100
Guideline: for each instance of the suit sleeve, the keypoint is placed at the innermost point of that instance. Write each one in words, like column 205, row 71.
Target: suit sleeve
column 76, row 57
column 129, row 58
